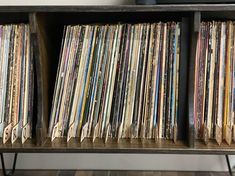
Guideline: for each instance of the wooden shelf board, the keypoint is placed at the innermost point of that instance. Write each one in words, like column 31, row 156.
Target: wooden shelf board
column 124, row 146
column 122, row 8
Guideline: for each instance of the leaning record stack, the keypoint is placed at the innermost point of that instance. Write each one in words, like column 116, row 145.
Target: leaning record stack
column 214, row 82
column 117, row 81
column 16, row 83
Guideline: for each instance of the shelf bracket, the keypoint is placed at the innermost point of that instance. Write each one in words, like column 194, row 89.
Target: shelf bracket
column 10, row 173
column 229, row 166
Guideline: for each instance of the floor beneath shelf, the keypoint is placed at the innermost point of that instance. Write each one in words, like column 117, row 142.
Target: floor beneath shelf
column 113, row 173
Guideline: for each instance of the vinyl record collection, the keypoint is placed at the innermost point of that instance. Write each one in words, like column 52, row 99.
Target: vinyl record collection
column 214, row 81
column 16, row 83
column 117, row 81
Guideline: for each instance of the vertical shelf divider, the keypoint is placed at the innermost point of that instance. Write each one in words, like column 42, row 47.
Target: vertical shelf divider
column 40, row 56
column 195, row 28
column 183, row 78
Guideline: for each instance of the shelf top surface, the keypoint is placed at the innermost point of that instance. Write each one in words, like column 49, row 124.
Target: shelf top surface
column 121, row 8
column 135, row 147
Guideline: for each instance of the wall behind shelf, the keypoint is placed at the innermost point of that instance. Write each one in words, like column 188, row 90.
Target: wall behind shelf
column 109, row 161
column 121, row 162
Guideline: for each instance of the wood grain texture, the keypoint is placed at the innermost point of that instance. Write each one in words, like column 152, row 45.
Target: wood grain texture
column 122, row 8
column 113, row 173
column 124, row 146
column 193, row 1
column 41, row 58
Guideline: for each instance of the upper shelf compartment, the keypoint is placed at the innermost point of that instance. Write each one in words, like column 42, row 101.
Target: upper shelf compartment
column 106, row 17
column 13, row 18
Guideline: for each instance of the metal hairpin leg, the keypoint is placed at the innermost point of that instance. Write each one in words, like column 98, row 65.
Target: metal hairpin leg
column 229, row 166
column 10, row 173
